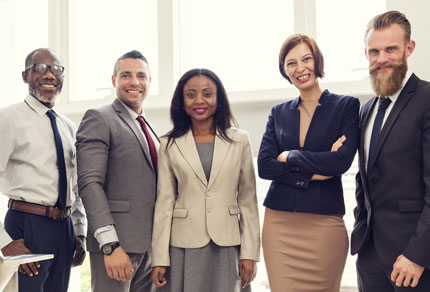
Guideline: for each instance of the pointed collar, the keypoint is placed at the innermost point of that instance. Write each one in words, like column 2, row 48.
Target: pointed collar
column 36, row 105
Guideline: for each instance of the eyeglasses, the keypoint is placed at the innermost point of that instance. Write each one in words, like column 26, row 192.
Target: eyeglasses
column 57, row 70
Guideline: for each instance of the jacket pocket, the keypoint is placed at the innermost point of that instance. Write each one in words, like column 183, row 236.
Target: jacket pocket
column 179, row 213
column 119, row 206
column 233, row 210
column 407, row 206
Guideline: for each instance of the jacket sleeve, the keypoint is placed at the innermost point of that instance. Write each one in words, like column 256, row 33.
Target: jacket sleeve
column 272, row 169
column 166, row 196
column 417, row 249
column 247, row 203
column 327, row 162
column 92, row 151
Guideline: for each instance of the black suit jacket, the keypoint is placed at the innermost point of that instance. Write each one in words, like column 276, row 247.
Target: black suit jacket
column 393, row 203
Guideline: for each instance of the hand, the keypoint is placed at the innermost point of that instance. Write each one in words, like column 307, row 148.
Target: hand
column 405, row 271
column 339, row 142
column 118, row 265
column 79, row 256
column 320, row 177
column 18, row 247
column 283, row 156
column 247, row 272
column 157, row 276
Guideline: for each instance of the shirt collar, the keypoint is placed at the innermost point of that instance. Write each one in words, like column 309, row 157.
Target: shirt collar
column 132, row 113
column 36, row 105
column 396, row 95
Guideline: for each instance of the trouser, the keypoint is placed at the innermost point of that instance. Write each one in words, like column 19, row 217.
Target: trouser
column 374, row 276
column 44, row 235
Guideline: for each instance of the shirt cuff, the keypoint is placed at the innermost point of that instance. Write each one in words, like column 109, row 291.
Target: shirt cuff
column 5, row 239
column 106, row 234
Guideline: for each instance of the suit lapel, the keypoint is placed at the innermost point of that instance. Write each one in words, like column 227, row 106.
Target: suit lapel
column 220, row 152
column 401, row 102
column 125, row 116
column 187, row 147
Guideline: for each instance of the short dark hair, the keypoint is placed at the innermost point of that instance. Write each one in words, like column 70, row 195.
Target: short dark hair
column 135, row 54
column 30, row 56
column 293, row 41
column 388, row 18
column 223, row 117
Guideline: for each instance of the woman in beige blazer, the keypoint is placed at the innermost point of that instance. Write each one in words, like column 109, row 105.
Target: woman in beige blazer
column 206, row 228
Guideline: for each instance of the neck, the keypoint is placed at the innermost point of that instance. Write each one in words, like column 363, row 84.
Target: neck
column 203, row 128
column 313, row 94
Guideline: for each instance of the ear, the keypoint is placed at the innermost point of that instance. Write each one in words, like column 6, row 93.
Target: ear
column 410, row 48
column 365, row 53
column 25, row 76
column 113, row 80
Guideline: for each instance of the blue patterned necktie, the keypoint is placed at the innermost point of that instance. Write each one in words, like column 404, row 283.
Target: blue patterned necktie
column 382, row 108
column 62, row 178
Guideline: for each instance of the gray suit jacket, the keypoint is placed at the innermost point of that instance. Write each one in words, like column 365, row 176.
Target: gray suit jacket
column 116, row 180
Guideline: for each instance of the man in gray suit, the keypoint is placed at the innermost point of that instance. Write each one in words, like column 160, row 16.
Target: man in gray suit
column 117, row 174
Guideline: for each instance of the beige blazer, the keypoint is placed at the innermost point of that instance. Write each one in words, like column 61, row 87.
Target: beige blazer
column 190, row 211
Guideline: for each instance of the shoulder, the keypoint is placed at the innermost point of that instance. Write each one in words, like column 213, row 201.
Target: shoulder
column 339, row 98
column 238, row 135
column 290, row 104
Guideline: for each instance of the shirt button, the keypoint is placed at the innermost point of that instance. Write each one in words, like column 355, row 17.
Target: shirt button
column 209, row 193
column 210, row 210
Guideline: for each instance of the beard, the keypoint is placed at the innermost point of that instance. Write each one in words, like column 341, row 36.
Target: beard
column 42, row 98
column 386, row 84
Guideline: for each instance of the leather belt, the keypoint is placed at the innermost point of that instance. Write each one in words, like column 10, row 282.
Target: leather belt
column 47, row 211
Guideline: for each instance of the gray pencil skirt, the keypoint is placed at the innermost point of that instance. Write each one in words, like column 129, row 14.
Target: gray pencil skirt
column 208, row 269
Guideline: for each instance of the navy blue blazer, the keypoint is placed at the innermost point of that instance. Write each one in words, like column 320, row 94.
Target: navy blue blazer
column 291, row 188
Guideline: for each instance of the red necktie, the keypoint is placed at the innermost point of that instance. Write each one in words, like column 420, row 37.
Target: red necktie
column 152, row 149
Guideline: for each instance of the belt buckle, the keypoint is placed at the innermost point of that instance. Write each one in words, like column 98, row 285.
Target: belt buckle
column 62, row 214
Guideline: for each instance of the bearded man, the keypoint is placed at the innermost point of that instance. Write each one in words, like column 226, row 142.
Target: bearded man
column 392, row 219
column 37, row 172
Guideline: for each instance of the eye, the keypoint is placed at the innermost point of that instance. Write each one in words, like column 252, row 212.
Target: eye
column 207, row 94
column 307, row 59
column 391, row 49
column 190, row 95
column 290, row 64
column 142, row 76
column 124, row 75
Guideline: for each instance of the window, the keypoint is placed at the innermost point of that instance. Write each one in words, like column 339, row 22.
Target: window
column 21, row 30
column 238, row 40
column 100, row 32
column 340, row 36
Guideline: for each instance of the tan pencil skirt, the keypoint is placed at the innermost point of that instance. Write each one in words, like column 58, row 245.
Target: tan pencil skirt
column 304, row 252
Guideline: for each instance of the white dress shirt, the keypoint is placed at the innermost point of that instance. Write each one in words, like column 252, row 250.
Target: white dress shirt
column 28, row 159
column 369, row 128
column 107, row 234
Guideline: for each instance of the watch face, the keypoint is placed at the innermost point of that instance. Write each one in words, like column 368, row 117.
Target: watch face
column 107, row 249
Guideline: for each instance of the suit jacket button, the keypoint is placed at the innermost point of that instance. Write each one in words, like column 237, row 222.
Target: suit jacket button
column 209, row 193
column 299, row 183
column 373, row 180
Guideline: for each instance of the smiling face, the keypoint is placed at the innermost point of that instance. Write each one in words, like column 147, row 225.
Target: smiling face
column 300, row 67
column 44, row 86
column 387, row 52
column 132, row 81
column 200, row 99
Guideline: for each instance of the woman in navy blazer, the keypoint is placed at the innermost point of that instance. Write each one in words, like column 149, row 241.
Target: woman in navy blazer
column 308, row 144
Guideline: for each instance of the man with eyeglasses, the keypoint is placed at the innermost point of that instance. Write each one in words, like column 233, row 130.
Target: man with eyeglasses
column 37, row 173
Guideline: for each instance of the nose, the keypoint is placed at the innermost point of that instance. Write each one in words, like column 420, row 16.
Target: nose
column 382, row 57
column 48, row 75
column 199, row 98
column 300, row 66
column 134, row 80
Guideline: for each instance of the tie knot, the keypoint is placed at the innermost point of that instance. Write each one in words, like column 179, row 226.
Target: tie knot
column 51, row 115
column 384, row 103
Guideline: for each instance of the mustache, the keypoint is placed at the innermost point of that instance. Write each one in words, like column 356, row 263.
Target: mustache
column 377, row 66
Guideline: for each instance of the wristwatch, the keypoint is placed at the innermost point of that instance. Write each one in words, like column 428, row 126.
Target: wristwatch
column 108, row 248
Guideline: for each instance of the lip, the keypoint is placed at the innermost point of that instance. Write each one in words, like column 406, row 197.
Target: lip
column 303, row 78
column 134, row 91
column 48, row 86
column 200, row 110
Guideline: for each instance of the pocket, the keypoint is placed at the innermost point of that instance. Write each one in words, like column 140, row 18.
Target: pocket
column 233, row 210
column 410, row 206
column 179, row 213
column 119, row 206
